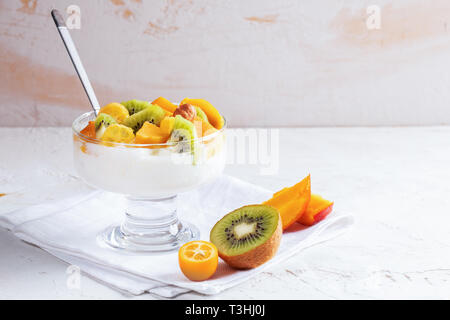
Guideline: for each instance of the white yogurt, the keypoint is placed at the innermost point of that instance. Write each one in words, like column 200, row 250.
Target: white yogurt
column 147, row 173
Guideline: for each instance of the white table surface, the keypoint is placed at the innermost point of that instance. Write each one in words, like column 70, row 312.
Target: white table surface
column 395, row 181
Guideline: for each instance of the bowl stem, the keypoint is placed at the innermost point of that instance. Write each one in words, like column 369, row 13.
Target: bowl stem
column 150, row 226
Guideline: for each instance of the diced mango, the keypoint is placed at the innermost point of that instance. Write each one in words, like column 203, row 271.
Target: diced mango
column 89, row 130
column 151, row 134
column 166, row 125
column 207, row 128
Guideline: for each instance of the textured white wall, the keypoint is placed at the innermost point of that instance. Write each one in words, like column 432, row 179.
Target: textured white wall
column 261, row 62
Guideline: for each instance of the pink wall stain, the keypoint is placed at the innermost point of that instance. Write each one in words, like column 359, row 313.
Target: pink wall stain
column 159, row 30
column 28, row 6
column 45, row 85
column 117, row 2
column 268, row 19
column 125, row 12
column 168, row 22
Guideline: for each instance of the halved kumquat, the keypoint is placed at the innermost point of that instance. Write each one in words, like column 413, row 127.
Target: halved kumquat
column 115, row 110
column 198, row 260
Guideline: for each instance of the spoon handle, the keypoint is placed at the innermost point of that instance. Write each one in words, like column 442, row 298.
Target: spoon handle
column 72, row 50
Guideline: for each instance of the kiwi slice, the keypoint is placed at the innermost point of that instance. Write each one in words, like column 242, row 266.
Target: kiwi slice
column 184, row 132
column 249, row 236
column 201, row 114
column 135, row 106
column 102, row 122
column 183, row 139
column 153, row 114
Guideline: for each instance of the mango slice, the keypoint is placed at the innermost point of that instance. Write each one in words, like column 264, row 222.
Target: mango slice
column 292, row 202
column 318, row 209
column 213, row 115
column 165, row 104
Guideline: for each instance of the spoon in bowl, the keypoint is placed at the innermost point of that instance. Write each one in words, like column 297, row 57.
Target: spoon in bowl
column 73, row 54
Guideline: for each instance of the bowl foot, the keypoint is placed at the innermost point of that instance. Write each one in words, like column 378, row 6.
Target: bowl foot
column 116, row 239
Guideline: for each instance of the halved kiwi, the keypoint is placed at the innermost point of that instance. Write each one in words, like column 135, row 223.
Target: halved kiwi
column 249, row 236
column 153, row 114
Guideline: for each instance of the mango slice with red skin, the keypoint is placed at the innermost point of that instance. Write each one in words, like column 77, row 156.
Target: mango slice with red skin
column 323, row 214
column 317, row 210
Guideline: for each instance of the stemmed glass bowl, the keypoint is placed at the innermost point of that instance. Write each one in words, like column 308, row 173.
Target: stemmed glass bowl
column 150, row 176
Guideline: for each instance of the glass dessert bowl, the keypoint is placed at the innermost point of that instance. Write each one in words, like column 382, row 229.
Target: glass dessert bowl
column 150, row 176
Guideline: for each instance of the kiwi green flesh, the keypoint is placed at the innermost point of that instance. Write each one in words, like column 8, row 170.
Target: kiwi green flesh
column 153, row 114
column 135, row 106
column 180, row 135
column 184, row 124
column 244, row 229
column 104, row 119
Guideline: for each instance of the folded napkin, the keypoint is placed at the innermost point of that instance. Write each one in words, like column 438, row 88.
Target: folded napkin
column 65, row 219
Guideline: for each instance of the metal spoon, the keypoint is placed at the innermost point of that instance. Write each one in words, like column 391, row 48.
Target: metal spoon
column 73, row 54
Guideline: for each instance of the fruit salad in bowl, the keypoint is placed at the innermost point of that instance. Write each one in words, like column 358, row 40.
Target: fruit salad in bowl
column 150, row 152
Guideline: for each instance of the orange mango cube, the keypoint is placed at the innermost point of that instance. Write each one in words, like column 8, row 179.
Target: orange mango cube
column 151, row 134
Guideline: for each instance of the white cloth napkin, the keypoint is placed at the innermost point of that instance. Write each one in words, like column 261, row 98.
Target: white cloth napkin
column 65, row 219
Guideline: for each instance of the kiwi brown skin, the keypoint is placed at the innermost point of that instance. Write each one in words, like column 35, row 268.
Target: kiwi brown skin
column 259, row 255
